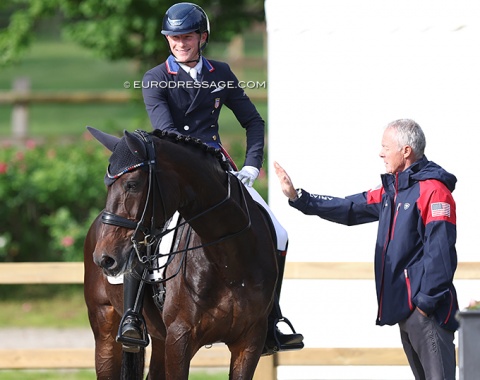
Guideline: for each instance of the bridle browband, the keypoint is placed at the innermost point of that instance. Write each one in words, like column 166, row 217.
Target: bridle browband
column 152, row 235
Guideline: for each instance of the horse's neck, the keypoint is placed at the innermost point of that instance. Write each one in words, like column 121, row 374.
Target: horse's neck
column 205, row 195
column 218, row 208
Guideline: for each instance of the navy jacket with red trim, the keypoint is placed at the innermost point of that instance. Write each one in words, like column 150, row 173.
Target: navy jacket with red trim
column 415, row 255
column 176, row 104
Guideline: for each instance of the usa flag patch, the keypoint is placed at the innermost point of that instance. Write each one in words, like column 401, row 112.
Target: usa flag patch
column 440, row 209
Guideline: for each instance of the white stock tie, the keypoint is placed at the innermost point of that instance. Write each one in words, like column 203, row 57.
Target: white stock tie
column 193, row 73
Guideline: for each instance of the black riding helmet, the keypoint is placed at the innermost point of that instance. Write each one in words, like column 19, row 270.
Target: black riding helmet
column 183, row 18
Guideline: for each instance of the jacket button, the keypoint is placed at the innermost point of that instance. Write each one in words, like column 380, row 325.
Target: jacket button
column 212, row 126
column 214, row 138
column 186, row 127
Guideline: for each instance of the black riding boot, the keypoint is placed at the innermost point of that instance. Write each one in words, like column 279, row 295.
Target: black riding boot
column 132, row 331
column 276, row 340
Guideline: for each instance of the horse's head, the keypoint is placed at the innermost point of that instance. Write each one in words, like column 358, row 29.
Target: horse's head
column 129, row 220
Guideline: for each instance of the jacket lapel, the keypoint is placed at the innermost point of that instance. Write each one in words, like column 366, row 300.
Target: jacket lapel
column 207, row 77
column 180, row 76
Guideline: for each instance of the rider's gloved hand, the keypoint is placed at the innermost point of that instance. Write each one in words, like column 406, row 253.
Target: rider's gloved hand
column 248, row 175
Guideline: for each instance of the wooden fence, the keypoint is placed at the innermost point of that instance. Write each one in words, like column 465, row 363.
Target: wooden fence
column 21, row 96
column 217, row 356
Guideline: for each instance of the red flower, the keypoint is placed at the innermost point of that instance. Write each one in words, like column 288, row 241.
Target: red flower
column 30, row 144
column 3, row 167
column 68, row 241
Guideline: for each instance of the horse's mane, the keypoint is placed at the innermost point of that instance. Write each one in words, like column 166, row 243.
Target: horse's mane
column 193, row 142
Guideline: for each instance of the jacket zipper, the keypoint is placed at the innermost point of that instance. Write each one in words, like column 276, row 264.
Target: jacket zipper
column 392, row 231
column 409, row 290
column 396, row 207
column 380, row 308
column 388, row 237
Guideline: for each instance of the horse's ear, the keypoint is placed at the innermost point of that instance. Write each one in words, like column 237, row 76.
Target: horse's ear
column 108, row 141
column 136, row 146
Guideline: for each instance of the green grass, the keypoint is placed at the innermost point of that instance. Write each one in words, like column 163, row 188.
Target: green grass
column 52, row 121
column 59, row 306
column 51, row 375
column 90, row 375
column 60, row 66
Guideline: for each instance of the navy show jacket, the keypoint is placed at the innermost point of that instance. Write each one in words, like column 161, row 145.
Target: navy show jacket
column 415, row 254
column 175, row 103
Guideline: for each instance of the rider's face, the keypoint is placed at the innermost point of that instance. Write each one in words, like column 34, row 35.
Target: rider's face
column 185, row 46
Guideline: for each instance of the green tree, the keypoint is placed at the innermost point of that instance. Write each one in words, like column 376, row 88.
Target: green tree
column 117, row 29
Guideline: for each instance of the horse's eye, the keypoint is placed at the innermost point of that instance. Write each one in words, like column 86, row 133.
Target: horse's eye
column 131, row 186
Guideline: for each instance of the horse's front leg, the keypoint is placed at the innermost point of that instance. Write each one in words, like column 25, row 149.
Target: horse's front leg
column 246, row 353
column 156, row 369
column 178, row 352
column 108, row 353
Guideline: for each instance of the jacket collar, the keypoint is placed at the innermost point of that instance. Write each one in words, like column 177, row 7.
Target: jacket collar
column 173, row 66
column 421, row 170
column 403, row 180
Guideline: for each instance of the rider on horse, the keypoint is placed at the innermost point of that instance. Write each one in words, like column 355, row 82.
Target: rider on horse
column 184, row 95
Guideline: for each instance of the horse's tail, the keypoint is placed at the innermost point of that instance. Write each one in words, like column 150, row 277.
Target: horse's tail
column 133, row 365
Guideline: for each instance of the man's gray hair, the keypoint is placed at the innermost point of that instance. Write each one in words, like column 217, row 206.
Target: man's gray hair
column 409, row 133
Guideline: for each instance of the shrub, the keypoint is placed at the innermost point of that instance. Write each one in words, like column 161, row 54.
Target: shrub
column 49, row 195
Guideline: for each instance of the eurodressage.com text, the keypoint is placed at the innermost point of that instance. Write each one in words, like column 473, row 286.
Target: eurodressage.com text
column 202, row 84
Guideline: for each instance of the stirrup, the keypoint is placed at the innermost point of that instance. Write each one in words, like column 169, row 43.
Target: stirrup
column 273, row 344
column 130, row 344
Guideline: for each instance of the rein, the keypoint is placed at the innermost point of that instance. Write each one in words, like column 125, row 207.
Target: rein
column 223, row 238
column 151, row 235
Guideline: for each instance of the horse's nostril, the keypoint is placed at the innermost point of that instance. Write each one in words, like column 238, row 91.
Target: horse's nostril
column 107, row 262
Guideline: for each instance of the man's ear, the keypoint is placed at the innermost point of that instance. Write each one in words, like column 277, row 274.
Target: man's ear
column 407, row 152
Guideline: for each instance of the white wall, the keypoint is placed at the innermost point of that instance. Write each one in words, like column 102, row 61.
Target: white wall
column 339, row 71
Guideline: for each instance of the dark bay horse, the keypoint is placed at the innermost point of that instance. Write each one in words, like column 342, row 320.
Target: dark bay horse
column 219, row 282
column 105, row 306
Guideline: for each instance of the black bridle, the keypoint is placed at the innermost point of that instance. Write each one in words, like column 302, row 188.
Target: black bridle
column 152, row 236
